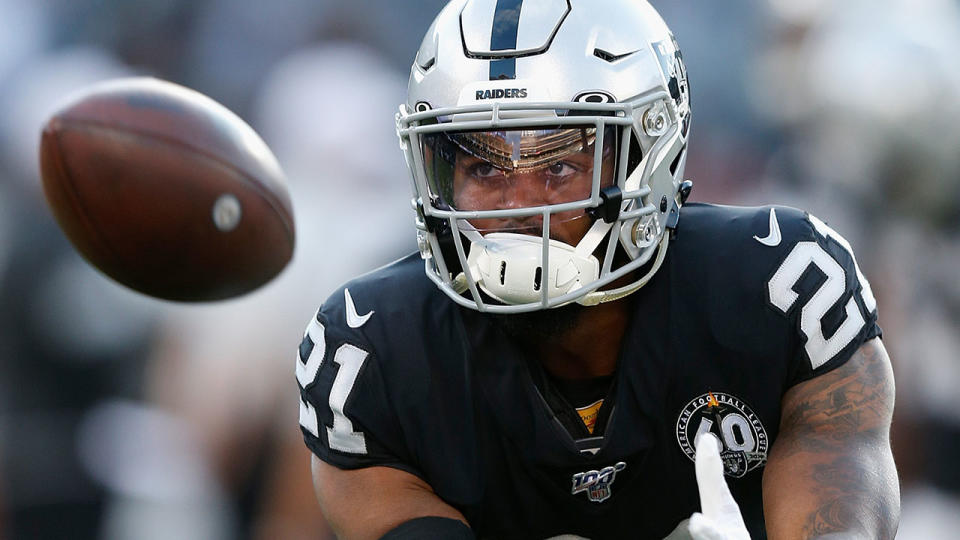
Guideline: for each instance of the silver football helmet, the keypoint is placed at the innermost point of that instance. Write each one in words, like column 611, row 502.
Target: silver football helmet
column 546, row 142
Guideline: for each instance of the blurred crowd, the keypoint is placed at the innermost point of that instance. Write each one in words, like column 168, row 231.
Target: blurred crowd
column 124, row 417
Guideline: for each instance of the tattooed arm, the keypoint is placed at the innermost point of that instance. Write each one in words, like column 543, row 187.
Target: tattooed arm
column 831, row 473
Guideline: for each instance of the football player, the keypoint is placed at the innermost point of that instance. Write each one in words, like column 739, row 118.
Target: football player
column 575, row 351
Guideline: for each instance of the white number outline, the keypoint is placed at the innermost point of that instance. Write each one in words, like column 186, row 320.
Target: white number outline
column 820, row 349
column 341, row 436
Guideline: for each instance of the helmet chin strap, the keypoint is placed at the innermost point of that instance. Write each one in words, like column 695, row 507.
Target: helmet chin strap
column 600, row 297
column 596, row 234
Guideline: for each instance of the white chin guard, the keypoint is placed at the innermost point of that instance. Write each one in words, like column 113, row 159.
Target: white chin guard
column 509, row 267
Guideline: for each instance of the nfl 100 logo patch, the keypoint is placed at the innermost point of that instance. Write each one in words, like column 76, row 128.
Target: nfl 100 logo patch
column 737, row 427
column 597, row 483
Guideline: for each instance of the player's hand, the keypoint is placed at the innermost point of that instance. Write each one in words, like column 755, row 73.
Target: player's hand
column 720, row 517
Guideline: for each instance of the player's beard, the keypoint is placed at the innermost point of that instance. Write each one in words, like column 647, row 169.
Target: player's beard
column 550, row 323
column 539, row 325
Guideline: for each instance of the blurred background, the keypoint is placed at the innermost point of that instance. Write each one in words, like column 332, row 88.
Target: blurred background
column 123, row 417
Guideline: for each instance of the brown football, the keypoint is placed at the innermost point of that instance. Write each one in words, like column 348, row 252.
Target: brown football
column 166, row 191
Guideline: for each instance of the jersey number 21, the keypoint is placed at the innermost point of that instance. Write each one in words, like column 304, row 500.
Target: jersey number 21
column 819, row 348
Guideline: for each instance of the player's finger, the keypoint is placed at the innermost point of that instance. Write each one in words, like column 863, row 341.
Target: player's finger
column 715, row 497
column 701, row 528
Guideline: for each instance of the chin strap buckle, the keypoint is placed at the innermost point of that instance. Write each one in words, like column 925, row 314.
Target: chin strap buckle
column 432, row 224
column 441, row 229
column 682, row 194
column 611, row 198
column 685, row 188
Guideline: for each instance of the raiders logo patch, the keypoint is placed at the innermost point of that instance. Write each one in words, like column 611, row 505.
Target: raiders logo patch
column 735, row 425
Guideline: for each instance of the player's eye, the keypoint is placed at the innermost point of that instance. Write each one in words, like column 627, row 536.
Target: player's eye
column 561, row 170
column 485, row 171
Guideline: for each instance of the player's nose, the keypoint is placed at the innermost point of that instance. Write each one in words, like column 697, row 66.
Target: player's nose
column 525, row 190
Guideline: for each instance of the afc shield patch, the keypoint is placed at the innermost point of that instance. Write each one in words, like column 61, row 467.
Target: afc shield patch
column 736, row 426
column 597, row 483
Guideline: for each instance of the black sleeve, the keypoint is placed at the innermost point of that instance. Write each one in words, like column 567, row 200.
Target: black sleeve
column 819, row 287
column 430, row 528
column 346, row 415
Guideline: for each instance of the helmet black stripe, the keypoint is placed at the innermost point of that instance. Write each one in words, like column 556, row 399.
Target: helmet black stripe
column 503, row 37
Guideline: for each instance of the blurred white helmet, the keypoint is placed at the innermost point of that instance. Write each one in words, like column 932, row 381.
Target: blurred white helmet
column 546, row 141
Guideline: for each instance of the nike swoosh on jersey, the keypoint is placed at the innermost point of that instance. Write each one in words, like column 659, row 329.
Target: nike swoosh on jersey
column 354, row 320
column 773, row 237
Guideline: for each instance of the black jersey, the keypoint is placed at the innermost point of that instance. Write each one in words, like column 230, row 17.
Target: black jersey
column 748, row 302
